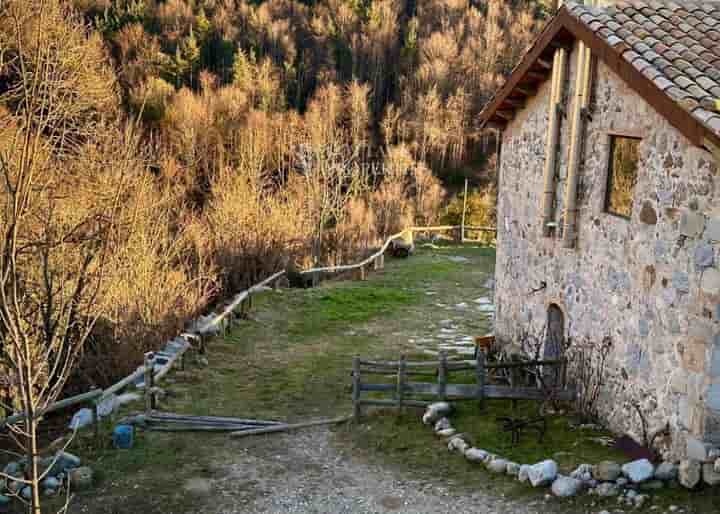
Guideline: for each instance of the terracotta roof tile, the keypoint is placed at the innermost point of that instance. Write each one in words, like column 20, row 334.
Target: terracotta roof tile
column 674, row 44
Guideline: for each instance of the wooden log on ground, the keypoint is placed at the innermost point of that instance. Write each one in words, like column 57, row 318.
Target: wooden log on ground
column 294, row 426
column 171, row 417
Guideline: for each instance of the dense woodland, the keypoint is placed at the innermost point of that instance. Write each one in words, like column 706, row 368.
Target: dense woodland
column 157, row 155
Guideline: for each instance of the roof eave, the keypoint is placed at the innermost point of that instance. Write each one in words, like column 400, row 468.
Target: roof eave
column 565, row 25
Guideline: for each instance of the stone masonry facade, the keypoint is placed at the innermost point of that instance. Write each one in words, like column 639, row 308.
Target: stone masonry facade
column 650, row 283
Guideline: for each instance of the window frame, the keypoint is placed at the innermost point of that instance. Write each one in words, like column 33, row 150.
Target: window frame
column 612, row 136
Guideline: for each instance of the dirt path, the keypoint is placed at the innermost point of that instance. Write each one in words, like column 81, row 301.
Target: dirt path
column 306, row 473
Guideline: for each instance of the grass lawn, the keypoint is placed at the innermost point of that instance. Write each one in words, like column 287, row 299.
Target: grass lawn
column 291, row 361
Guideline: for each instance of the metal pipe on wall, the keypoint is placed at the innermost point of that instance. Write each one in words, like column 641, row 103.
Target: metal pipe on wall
column 580, row 107
column 582, row 90
column 551, row 149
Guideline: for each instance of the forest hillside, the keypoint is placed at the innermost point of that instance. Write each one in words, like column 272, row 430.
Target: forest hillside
column 158, row 155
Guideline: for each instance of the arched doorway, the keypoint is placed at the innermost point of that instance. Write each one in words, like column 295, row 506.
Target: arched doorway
column 554, row 341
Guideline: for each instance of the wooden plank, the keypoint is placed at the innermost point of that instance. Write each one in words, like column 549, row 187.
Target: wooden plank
column 294, row 426
column 122, row 384
column 391, row 403
column 400, row 384
column 379, row 388
column 357, row 411
column 62, row 404
column 442, row 376
column 480, row 378
column 394, row 364
column 525, row 393
column 173, row 417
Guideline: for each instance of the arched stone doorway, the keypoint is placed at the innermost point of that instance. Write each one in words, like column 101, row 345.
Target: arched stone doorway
column 554, row 340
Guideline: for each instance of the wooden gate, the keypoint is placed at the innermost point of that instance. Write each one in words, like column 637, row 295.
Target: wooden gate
column 405, row 392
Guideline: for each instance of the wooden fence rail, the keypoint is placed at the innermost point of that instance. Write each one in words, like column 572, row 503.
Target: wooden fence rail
column 150, row 372
column 441, row 389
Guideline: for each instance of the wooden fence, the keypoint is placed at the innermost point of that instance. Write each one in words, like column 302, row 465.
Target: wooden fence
column 150, row 372
column 525, row 380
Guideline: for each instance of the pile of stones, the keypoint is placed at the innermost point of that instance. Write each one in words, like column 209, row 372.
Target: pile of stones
column 63, row 470
column 630, row 482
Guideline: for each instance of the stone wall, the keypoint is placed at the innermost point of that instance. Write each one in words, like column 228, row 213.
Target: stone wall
column 650, row 283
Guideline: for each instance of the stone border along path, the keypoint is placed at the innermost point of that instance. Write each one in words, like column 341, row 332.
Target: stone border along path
column 604, row 479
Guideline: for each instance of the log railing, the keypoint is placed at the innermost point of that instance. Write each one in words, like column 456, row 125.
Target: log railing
column 158, row 364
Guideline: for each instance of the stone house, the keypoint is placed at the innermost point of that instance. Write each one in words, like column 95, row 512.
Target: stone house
column 609, row 207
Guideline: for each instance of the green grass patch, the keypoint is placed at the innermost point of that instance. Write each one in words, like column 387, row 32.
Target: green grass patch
column 336, row 307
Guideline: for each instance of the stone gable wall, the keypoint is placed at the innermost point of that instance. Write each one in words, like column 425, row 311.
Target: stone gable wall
column 650, row 283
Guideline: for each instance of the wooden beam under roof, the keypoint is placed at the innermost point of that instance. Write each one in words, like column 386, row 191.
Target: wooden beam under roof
column 516, row 104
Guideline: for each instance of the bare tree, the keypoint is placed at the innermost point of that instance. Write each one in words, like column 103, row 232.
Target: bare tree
column 56, row 220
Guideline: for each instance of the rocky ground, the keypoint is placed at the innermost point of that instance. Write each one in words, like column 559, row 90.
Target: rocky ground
column 306, row 473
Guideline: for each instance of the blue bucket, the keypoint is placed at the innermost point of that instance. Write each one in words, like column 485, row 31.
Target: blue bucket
column 123, row 436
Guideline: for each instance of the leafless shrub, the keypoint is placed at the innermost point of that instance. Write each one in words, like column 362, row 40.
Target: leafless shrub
column 587, row 362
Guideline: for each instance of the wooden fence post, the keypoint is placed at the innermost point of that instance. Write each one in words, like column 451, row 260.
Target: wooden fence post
column 480, row 377
column 462, row 224
column 362, row 272
column 442, row 376
column 357, row 409
column 149, row 384
column 381, row 258
column 400, row 385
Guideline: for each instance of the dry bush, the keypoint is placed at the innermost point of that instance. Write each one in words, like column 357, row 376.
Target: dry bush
column 80, row 86
column 151, row 98
column 428, row 195
column 251, row 231
column 481, row 210
column 392, row 212
column 140, row 57
column 355, row 233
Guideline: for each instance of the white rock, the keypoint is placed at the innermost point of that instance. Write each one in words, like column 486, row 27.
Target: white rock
column 458, row 444
column 513, row 468
column 666, row 471
column 717, row 466
column 523, row 473
column 710, row 476
column 543, row 473
column 566, row 486
column 442, row 424
column 476, row 455
column 638, row 470
column 607, row 489
column 447, row 432
column 497, row 466
column 582, row 472
column 689, row 473
column 435, row 411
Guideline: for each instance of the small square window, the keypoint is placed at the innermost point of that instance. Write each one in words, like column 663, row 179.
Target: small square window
column 622, row 175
